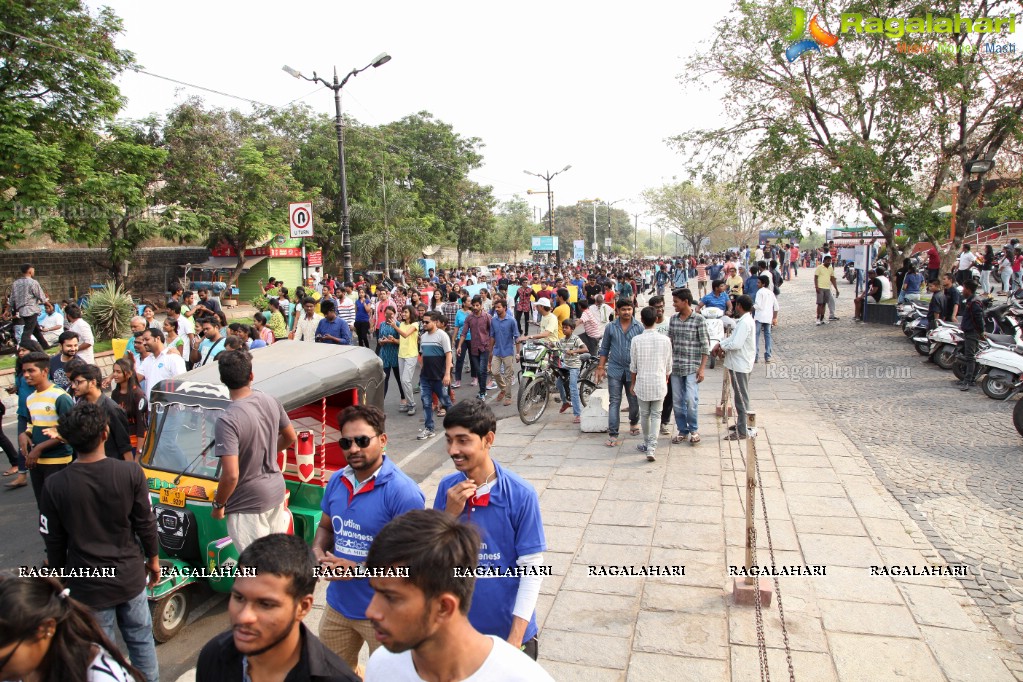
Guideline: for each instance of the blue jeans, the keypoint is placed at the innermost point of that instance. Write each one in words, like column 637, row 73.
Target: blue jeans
column 460, row 361
column 765, row 329
column 134, row 621
column 427, row 389
column 685, row 395
column 573, row 380
column 480, row 363
column 616, row 383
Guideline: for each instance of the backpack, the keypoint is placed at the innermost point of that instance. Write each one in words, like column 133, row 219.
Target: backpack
column 776, row 276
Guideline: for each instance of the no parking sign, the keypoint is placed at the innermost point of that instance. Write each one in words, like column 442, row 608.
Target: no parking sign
column 300, row 216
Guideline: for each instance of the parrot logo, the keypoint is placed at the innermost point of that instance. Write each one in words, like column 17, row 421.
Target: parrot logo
column 818, row 36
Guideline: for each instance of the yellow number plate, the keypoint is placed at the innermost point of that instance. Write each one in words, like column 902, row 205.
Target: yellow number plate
column 175, row 497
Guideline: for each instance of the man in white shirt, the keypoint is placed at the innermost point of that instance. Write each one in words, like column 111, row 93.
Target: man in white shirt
column 422, row 619
column 650, row 369
column 739, row 352
column 305, row 327
column 86, row 341
column 966, row 260
column 160, row 364
column 52, row 324
column 765, row 317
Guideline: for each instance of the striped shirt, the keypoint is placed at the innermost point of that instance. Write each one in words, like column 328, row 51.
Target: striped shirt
column 651, row 363
column 26, row 297
column 689, row 342
column 436, row 349
column 45, row 408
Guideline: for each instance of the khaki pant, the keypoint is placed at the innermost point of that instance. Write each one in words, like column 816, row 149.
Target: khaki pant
column 245, row 529
column 504, row 372
column 345, row 636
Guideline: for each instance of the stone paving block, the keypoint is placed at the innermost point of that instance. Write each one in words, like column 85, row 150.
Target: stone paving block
column 571, row 672
column 786, row 434
column 938, row 607
column 850, row 466
column 893, row 620
column 682, row 634
column 618, row 535
column 658, row 596
column 872, row 504
column 806, row 505
column 544, row 602
column 565, row 518
column 967, row 656
column 805, row 631
column 867, row 658
column 831, row 550
column 586, row 468
column 702, row 569
column 623, row 513
column 814, row 489
column 579, row 580
column 807, row 475
column 698, row 498
column 900, row 556
column 576, row 483
column 688, row 514
column 590, row 650
column 684, row 481
column 820, row 461
column 806, row 665
column 856, row 584
column 784, row 450
column 563, row 538
column 639, row 491
column 828, row 525
column 889, row 533
column 701, row 537
column 735, row 555
column 568, row 500
column 596, row 614
column 645, row 667
column 692, row 462
column 597, row 554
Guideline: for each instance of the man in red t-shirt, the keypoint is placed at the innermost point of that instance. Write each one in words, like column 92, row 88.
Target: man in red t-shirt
column 933, row 263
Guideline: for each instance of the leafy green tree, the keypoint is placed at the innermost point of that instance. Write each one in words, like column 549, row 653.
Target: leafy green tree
column 114, row 195
column 473, row 225
column 51, row 100
column 513, row 226
column 888, row 130
column 695, row 212
column 224, row 182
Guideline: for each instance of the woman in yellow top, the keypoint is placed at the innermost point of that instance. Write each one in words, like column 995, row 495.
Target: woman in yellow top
column 408, row 352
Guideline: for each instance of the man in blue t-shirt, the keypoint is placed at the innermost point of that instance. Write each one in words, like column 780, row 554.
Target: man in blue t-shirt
column 718, row 298
column 359, row 501
column 506, row 511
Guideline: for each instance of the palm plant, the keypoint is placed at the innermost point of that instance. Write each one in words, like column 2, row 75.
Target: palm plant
column 109, row 311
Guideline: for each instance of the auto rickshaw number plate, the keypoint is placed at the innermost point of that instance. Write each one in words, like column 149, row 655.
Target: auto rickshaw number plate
column 175, row 497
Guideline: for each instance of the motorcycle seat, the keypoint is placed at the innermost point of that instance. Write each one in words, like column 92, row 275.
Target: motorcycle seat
column 1003, row 339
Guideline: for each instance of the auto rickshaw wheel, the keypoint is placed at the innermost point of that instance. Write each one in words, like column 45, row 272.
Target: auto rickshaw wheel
column 170, row 615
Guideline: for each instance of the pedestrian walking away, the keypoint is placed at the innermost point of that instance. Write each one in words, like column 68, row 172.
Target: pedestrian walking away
column 650, row 372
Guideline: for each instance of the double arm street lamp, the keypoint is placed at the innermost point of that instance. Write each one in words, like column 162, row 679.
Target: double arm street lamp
column 550, row 202
column 346, row 234
column 609, row 204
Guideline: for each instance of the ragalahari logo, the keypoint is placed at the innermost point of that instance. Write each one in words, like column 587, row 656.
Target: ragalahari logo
column 818, row 36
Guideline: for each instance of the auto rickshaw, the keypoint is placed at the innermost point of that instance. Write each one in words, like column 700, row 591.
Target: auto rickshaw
column 314, row 382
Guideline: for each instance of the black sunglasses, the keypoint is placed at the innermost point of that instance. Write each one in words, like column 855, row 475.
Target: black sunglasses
column 361, row 441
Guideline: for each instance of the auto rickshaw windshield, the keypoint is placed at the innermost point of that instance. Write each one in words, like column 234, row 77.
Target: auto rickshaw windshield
column 184, row 440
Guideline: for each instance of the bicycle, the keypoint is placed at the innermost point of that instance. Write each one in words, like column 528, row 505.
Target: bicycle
column 541, row 369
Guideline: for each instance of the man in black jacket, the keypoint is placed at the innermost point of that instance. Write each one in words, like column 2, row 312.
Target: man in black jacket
column 272, row 594
column 973, row 331
column 90, row 514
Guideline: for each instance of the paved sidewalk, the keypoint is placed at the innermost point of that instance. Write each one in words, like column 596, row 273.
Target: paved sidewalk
column 825, row 505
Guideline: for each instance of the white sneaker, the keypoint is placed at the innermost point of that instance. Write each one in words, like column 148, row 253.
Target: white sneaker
column 820, row 322
column 424, row 434
column 824, row 321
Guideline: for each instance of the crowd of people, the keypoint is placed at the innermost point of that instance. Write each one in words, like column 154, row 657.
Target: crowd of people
column 78, row 448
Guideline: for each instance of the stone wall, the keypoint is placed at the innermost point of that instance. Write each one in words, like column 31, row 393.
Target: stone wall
column 62, row 271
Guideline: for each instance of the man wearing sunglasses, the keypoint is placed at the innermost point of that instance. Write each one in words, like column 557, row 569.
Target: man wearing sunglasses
column 358, row 502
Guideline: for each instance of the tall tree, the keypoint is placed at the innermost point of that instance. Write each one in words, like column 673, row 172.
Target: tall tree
column 51, row 101
column 861, row 118
column 224, row 182
column 115, row 193
column 513, row 226
column 473, row 225
column 695, row 212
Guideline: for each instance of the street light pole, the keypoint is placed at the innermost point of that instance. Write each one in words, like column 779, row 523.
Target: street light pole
column 339, row 128
column 550, row 204
column 609, row 235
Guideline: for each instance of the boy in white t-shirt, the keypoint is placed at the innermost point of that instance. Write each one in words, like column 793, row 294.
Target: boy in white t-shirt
column 422, row 619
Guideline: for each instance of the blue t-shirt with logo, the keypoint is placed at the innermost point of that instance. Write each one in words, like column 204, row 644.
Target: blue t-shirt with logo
column 508, row 519
column 356, row 519
column 718, row 301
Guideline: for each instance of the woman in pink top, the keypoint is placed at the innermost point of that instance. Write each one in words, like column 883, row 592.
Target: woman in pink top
column 383, row 301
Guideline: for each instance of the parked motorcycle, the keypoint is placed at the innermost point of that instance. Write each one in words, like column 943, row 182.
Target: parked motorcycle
column 1003, row 341
column 941, row 343
column 1000, row 371
column 8, row 344
column 540, row 380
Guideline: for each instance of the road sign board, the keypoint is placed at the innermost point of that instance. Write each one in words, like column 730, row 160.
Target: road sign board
column 607, row 242
column 300, row 216
column 315, row 259
column 545, row 244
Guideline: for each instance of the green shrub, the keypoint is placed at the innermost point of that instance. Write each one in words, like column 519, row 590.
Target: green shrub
column 109, row 312
column 415, row 270
column 260, row 302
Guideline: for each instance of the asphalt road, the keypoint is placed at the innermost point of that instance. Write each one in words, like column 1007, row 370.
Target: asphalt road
column 22, row 545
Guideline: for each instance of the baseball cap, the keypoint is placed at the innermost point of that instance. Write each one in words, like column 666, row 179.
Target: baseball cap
column 545, row 302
